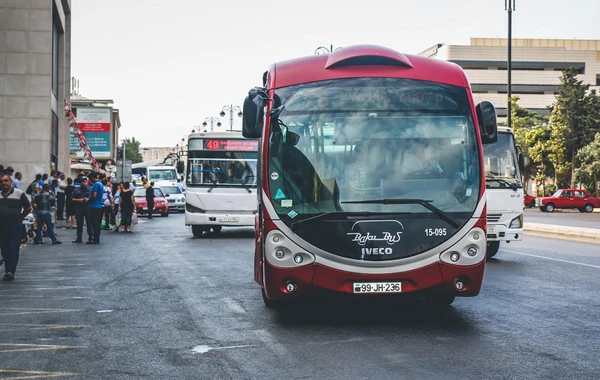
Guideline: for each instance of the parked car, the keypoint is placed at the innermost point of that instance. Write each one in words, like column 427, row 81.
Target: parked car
column 529, row 200
column 161, row 205
column 175, row 198
column 568, row 198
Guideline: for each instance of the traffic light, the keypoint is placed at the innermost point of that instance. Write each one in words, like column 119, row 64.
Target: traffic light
column 119, row 153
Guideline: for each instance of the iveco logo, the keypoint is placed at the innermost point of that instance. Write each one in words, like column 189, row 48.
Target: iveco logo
column 388, row 231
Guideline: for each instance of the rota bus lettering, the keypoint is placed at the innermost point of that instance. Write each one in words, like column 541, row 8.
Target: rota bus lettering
column 221, row 181
column 363, row 150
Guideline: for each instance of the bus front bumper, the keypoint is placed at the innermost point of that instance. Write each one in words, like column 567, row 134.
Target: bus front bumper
column 219, row 219
column 438, row 278
column 499, row 232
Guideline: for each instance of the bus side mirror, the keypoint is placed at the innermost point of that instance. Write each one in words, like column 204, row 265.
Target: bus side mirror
column 521, row 161
column 253, row 114
column 488, row 128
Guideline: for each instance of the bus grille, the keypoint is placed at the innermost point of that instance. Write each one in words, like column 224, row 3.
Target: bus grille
column 494, row 218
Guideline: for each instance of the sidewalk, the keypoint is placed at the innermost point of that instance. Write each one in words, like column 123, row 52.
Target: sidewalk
column 587, row 235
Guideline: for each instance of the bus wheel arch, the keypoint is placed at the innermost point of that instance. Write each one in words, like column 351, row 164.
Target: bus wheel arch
column 492, row 248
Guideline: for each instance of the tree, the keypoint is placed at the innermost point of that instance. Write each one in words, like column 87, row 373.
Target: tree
column 574, row 121
column 132, row 150
column 588, row 172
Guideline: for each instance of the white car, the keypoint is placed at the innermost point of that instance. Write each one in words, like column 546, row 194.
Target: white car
column 175, row 198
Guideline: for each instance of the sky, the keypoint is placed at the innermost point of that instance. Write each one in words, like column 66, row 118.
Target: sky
column 170, row 65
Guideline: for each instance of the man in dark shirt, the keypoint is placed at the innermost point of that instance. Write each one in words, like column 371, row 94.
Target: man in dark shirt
column 150, row 199
column 14, row 207
column 43, row 203
column 81, row 196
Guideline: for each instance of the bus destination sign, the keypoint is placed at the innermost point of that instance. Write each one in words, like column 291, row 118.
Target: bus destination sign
column 231, row 145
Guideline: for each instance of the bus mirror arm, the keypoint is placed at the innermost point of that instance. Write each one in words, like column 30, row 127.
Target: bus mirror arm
column 488, row 128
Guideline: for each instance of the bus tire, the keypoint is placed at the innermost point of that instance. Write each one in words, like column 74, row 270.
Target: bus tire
column 440, row 299
column 197, row 231
column 271, row 304
column 217, row 229
column 492, row 248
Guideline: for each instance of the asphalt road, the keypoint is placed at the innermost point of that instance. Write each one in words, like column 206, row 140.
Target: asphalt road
column 571, row 218
column 159, row 304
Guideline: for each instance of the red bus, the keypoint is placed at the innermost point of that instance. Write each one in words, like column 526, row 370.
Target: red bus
column 370, row 176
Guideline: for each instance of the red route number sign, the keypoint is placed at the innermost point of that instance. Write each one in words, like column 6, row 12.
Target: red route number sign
column 232, row 145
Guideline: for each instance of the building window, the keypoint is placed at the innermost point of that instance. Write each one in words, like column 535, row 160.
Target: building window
column 54, row 142
column 55, row 56
column 597, row 79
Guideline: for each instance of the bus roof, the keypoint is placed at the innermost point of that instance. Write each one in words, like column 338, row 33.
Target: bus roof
column 364, row 61
column 216, row 135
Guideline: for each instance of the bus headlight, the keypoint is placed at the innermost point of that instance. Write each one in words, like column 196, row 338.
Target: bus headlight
column 471, row 251
column 517, row 222
column 280, row 253
column 298, row 259
column 454, row 256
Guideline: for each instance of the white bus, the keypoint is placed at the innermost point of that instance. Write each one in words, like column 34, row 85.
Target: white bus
column 504, row 190
column 220, row 181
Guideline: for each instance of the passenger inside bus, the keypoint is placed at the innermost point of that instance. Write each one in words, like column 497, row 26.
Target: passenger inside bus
column 420, row 159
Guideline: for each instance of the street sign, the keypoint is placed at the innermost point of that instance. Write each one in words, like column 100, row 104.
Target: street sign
column 123, row 171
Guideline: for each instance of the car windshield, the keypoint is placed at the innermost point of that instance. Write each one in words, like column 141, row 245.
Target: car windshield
column 500, row 162
column 141, row 192
column 171, row 190
column 372, row 138
column 557, row 193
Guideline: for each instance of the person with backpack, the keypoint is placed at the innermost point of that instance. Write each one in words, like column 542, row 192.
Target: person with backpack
column 34, row 187
column 42, row 203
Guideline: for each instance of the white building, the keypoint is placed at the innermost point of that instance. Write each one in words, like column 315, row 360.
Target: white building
column 537, row 65
column 156, row 153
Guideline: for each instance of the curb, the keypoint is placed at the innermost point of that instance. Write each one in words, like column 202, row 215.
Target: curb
column 586, row 235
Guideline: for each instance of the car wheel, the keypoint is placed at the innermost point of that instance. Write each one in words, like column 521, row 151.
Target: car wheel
column 588, row 208
column 492, row 248
column 165, row 214
column 532, row 204
column 440, row 299
column 197, row 231
column 581, row 209
column 550, row 207
column 543, row 209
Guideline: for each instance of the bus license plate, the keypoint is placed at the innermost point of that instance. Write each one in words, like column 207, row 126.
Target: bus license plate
column 229, row 219
column 377, row 287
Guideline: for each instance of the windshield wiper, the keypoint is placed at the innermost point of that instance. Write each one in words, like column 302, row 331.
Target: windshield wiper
column 324, row 214
column 423, row 202
column 246, row 187
column 214, row 183
column 512, row 185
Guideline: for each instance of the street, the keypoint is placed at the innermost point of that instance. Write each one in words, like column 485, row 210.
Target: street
column 158, row 304
column 567, row 217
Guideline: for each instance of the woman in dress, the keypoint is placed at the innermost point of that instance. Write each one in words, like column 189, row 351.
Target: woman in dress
column 126, row 206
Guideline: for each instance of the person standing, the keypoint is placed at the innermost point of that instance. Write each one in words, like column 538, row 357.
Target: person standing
column 107, row 205
column 17, row 181
column 81, row 196
column 60, row 196
column 150, row 199
column 42, row 203
column 116, row 201
column 96, row 206
column 127, row 207
column 70, row 205
column 14, row 207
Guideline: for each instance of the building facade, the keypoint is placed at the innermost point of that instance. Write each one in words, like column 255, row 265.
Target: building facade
column 35, row 71
column 150, row 154
column 537, row 65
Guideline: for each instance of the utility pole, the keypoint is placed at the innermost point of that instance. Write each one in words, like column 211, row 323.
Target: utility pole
column 509, row 5
column 123, row 163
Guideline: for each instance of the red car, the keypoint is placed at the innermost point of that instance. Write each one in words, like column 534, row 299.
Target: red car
column 568, row 198
column 161, row 206
column 529, row 200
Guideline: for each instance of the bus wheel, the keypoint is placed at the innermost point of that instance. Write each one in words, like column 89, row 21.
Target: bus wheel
column 217, row 229
column 492, row 248
column 271, row 304
column 197, row 230
column 440, row 299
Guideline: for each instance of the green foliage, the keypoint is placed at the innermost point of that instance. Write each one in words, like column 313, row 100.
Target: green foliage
column 132, row 150
column 588, row 172
column 549, row 189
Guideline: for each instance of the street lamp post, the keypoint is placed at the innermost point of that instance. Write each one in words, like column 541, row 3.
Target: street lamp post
column 211, row 120
column 509, row 5
column 231, row 109
column 324, row 50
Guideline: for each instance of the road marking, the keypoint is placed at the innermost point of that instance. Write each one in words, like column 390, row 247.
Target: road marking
column 34, row 347
column 234, row 305
column 552, row 259
column 36, row 311
column 20, row 298
column 35, row 326
column 13, row 288
column 267, row 338
column 202, row 349
column 34, row 374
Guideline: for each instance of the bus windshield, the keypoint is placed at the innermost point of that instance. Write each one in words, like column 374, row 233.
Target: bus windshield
column 341, row 142
column 501, row 169
column 222, row 162
column 167, row 174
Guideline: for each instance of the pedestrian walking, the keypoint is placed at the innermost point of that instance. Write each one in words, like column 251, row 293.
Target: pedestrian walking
column 70, row 205
column 150, row 199
column 81, row 197
column 95, row 204
column 116, row 200
column 126, row 207
column 42, row 203
column 17, row 181
column 60, row 196
column 14, row 207
column 107, row 205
